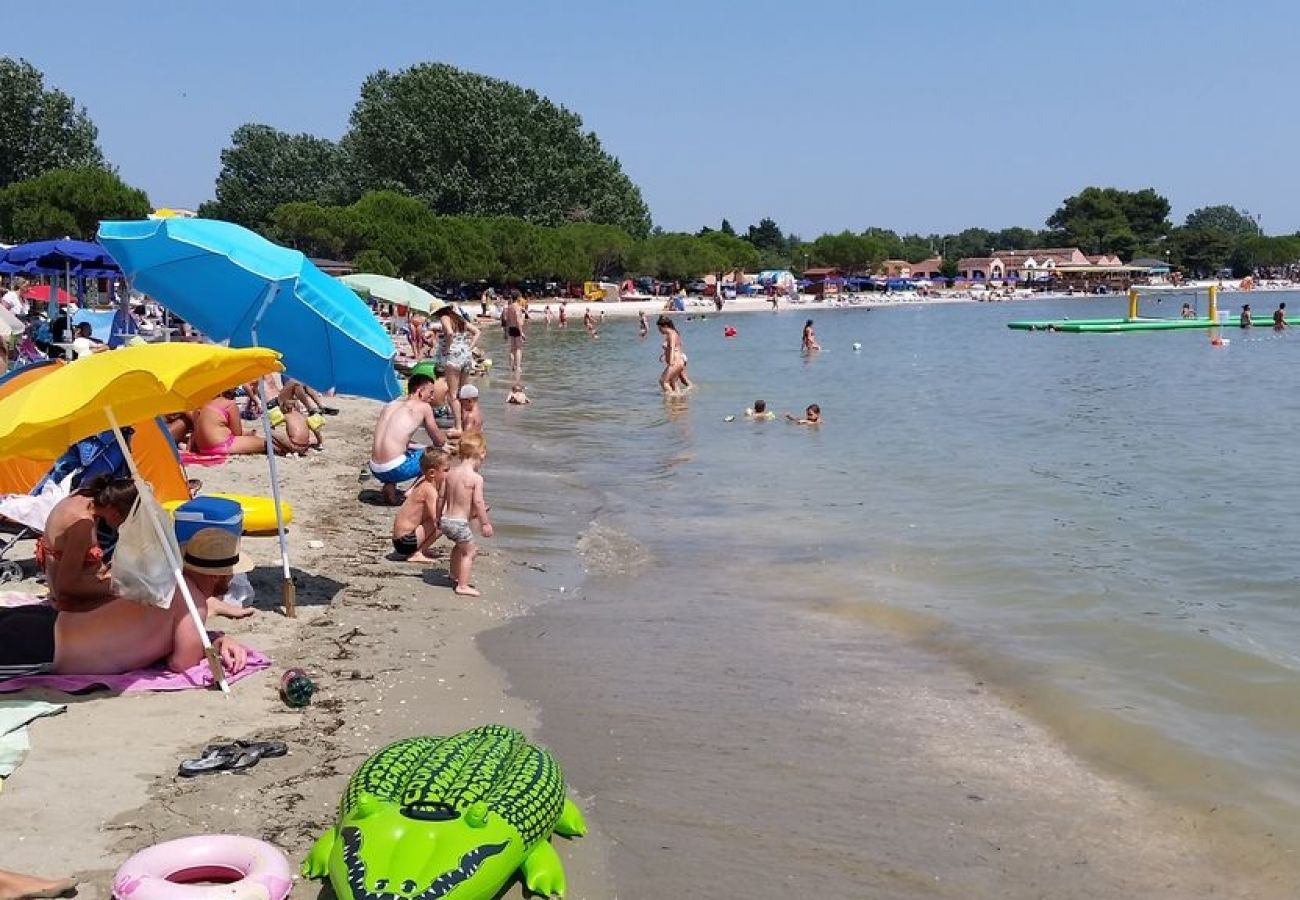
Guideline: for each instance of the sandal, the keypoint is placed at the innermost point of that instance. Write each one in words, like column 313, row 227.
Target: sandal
column 329, row 411
column 232, row 757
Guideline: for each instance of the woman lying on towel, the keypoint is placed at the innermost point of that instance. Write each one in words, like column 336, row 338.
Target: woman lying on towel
column 121, row 635
column 69, row 551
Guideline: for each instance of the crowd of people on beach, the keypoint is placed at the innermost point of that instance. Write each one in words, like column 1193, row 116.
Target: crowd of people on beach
column 431, row 439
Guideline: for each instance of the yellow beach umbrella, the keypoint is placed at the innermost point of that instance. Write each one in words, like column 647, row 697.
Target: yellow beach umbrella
column 42, row 419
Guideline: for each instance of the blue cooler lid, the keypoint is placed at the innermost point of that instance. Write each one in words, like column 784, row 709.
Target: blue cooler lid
column 207, row 512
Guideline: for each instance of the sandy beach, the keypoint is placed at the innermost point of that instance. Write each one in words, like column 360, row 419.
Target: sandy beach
column 391, row 649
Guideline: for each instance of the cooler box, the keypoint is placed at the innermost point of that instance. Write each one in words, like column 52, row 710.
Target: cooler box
column 207, row 512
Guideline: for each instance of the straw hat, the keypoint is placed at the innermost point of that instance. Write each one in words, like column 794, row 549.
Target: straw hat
column 214, row 551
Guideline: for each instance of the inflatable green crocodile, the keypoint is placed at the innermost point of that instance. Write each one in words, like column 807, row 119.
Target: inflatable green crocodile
column 452, row 817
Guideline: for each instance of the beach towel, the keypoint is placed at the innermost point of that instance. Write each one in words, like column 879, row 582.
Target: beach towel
column 154, row 678
column 202, row 459
column 32, row 510
column 14, row 718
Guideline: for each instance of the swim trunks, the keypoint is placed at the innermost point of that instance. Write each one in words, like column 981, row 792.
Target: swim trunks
column 457, row 530
column 26, row 640
column 514, row 332
column 458, row 355
column 406, row 544
column 404, row 468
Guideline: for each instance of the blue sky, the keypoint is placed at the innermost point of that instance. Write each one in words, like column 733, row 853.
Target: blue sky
column 823, row 114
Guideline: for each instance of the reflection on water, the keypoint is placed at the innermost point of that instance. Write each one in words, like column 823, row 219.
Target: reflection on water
column 1098, row 523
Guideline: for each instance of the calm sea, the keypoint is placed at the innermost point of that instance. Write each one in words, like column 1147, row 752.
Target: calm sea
column 1101, row 526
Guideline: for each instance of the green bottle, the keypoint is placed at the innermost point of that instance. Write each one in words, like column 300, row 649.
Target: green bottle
column 296, row 688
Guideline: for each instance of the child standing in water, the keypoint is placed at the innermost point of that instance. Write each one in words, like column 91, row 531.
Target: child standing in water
column 642, row 324
column 461, row 500
column 416, row 527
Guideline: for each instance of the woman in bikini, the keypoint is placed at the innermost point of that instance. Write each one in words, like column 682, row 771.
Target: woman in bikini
column 69, row 550
column 456, row 343
column 674, row 358
column 219, row 431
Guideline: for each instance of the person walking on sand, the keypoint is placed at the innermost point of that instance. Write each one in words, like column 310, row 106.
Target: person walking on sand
column 674, row 359
column 415, row 528
column 460, row 501
column 513, row 320
column 810, row 344
column 643, row 327
column 393, row 458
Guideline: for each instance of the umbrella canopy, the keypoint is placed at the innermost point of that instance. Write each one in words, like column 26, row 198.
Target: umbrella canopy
column 41, row 293
column 42, row 419
column 393, row 290
column 236, row 286
column 58, row 257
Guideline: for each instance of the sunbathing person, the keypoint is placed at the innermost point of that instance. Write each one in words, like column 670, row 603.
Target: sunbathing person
column 122, row 635
column 219, row 431
column 69, row 552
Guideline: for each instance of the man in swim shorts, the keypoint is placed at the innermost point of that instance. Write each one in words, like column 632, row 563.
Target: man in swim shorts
column 393, row 458
column 122, row 635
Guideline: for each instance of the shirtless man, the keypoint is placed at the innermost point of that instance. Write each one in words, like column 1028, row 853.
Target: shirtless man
column 393, row 458
column 122, row 635
column 513, row 321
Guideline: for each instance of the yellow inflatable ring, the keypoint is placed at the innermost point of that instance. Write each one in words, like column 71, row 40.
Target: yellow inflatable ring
column 259, row 512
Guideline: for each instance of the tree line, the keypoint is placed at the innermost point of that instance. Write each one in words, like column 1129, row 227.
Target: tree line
column 449, row 175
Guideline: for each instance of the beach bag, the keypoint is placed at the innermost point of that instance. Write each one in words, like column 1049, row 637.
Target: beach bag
column 141, row 571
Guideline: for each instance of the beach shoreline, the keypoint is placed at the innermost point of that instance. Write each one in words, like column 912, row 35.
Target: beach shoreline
column 393, row 652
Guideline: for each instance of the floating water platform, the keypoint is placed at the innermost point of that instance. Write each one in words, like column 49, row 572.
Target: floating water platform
column 1112, row 325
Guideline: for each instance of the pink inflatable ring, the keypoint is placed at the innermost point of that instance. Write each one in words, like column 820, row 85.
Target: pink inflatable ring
column 236, row 868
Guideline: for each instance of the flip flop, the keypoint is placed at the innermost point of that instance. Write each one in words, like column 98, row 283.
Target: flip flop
column 233, row 757
column 329, row 410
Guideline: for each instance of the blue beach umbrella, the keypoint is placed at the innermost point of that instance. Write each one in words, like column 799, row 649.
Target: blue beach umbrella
column 236, row 286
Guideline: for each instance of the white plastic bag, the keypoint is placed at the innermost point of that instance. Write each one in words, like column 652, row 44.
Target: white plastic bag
column 141, row 571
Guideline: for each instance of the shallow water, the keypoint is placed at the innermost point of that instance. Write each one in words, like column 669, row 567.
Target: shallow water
column 1099, row 525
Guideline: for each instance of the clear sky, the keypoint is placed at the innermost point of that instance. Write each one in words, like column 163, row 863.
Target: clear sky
column 823, row 114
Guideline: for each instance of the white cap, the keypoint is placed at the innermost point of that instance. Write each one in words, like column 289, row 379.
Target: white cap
column 468, row 392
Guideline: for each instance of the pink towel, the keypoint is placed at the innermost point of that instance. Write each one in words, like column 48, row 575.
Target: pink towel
column 202, row 459
column 155, row 678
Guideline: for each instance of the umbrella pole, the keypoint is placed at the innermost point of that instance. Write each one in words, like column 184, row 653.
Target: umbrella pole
column 287, row 591
column 209, row 652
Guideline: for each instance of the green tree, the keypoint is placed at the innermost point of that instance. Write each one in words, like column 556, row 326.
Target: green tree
column 846, row 251
column 733, row 252
column 67, row 202
column 375, row 263
column 767, row 237
column 466, row 144
column 1201, row 251
column 727, row 229
column 40, row 129
column 264, row 168
column 1225, row 219
column 1109, row 220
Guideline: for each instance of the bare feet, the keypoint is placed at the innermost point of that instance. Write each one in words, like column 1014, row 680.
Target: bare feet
column 229, row 610
column 466, row 590
column 24, row 887
column 418, row 557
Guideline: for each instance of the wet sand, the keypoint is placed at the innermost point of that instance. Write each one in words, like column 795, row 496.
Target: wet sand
column 393, row 653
